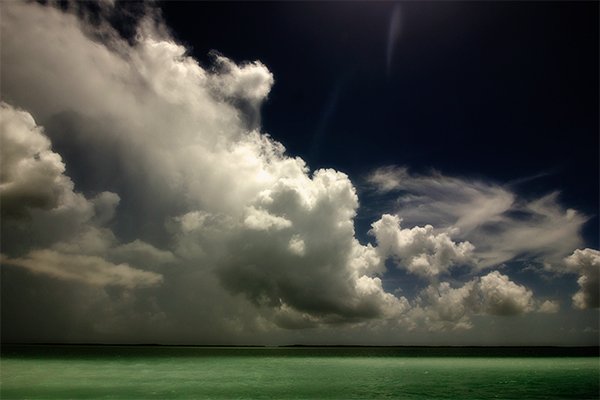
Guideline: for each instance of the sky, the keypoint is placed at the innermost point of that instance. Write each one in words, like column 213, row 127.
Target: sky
column 413, row 173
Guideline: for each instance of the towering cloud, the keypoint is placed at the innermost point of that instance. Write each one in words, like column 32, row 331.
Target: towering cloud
column 175, row 145
column 586, row 263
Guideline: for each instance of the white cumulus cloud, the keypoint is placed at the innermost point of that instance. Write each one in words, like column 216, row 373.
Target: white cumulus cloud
column 501, row 225
column 586, row 263
column 441, row 307
column 419, row 250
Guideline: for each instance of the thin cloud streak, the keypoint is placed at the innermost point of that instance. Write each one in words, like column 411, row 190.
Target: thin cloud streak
column 501, row 225
column 393, row 36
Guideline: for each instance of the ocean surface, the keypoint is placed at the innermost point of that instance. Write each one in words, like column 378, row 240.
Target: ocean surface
column 165, row 372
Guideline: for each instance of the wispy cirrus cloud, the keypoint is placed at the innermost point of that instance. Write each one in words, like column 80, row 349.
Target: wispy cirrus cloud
column 497, row 221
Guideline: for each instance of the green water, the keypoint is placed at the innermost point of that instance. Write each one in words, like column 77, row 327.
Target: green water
column 121, row 372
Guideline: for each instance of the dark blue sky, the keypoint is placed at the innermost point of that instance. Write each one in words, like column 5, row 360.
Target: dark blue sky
column 501, row 91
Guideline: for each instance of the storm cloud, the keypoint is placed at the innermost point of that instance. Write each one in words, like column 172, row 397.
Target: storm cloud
column 182, row 169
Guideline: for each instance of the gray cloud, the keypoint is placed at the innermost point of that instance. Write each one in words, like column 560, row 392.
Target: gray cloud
column 586, row 263
column 87, row 269
column 441, row 306
column 145, row 253
column 37, row 197
column 549, row 307
column 174, row 142
column 294, row 248
column 32, row 174
column 39, row 204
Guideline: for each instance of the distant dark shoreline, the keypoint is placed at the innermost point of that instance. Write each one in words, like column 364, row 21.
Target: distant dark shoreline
column 350, row 346
column 97, row 350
